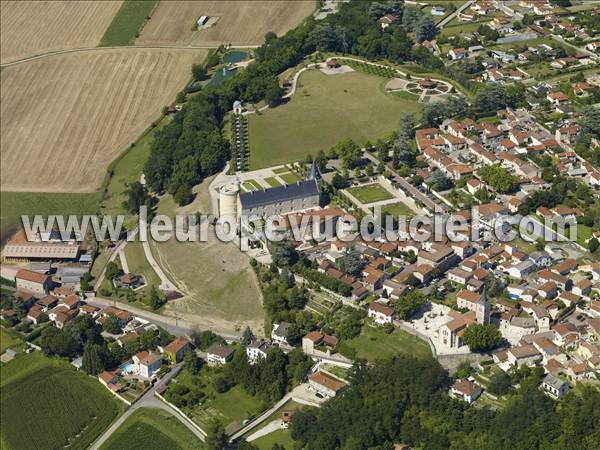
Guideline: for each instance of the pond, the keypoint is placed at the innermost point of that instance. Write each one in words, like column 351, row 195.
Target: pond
column 234, row 56
column 221, row 75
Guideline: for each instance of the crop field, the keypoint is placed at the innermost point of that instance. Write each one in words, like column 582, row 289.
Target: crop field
column 35, row 27
column 46, row 403
column 64, row 118
column 124, row 28
column 239, row 22
column 152, row 428
column 324, row 110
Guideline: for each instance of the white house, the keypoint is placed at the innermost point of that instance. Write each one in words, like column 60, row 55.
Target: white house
column 148, row 363
column 554, row 386
column 257, row 350
column 324, row 384
column 280, row 332
column 381, row 313
column 218, row 355
column 466, row 390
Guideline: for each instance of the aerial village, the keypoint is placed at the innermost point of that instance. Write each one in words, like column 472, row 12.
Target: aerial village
column 488, row 310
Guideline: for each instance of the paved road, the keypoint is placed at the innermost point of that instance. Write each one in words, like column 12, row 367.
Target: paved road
column 449, row 17
column 149, row 400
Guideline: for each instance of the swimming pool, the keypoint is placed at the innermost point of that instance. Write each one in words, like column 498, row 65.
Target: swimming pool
column 129, row 367
column 234, row 56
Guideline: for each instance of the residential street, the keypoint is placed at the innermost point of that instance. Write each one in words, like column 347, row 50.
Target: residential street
column 149, row 400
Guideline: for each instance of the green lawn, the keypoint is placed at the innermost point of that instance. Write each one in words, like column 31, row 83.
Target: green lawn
column 128, row 22
column 373, row 343
column 251, row 185
column 273, row 182
column 282, row 437
column 324, row 110
column 9, row 339
column 127, row 170
column 290, row 177
column 46, row 403
column 235, row 405
column 15, row 204
column 281, row 170
column 397, row 209
column 152, row 428
column 370, row 193
column 137, row 262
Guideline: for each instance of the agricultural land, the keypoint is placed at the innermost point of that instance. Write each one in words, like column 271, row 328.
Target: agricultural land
column 36, row 27
column 239, row 22
column 34, row 385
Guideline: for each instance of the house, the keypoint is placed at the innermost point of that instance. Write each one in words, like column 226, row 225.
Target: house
column 386, row 21
column 381, row 313
column 554, row 386
column 34, row 282
column 175, row 350
column 148, row 363
column 280, row 332
column 473, row 185
column 35, row 314
column 325, row 385
column 110, row 379
column 557, row 98
column 451, row 333
column 218, row 355
column 315, row 339
column 257, row 350
column 457, row 53
column 466, row 390
column 524, row 354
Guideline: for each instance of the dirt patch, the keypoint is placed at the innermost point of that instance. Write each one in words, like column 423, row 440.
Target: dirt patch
column 64, row 118
column 29, row 28
column 240, row 22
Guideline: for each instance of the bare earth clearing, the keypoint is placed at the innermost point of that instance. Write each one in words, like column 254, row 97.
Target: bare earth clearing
column 240, row 22
column 29, row 28
column 64, row 118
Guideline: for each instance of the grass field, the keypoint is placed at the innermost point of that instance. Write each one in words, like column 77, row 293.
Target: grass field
column 239, row 22
column 15, row 204
column 36, row 27
column 235, row 405
column 152, row 428
column 127, row 170
column 324, row 110
column 282, row 437
column 397, row 209
column 48, row 106
column 220, row 286
column 46, row 403
column 137, row 262
column 9, row 339
column 290, row 177
column 370, row 193
column 273, row 182
column 128, row 22
column 373, row 343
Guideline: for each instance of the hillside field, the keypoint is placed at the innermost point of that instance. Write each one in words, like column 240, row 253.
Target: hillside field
column 64, row 118
column 324, row 110
column 45, row 403
column 34, row 27
column 152, row 428
column 239, row 22
column 125, row 26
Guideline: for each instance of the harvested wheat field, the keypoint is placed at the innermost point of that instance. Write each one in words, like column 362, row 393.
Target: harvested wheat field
column 240, row 22
column 29, row 28
column 65, row 117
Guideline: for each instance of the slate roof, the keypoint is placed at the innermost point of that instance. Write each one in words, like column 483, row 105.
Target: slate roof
column 255, row 199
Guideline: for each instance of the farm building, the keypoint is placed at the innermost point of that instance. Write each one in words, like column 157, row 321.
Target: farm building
column 18, row 248
column 36, row 283
column 202, row 21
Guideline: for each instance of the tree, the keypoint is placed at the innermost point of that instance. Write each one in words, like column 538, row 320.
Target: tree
column 247, row 336
column 199, row 72
column 425, row 28
column 349, row 152
column 499, row 178
column 481, row 337
column 156, row 299
column 112, row 270
column 593, row 245
column 500, row 383
column 439, row 181
column 407, row 305
column 216, row 438
column 273, row 94
column 191, row 362
column 58, row 342
column 407, row 126
column 183, row 195
column 284, row 254
column 92, row 360
column 337, row 181
column 350, row 263
column 136, row 196
column 111, row 324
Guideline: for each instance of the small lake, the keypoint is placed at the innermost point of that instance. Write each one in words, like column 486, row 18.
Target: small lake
column 234, row 56
column 221, row 75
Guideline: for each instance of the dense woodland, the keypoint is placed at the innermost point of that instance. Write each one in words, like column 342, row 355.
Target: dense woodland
column 405, row 400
